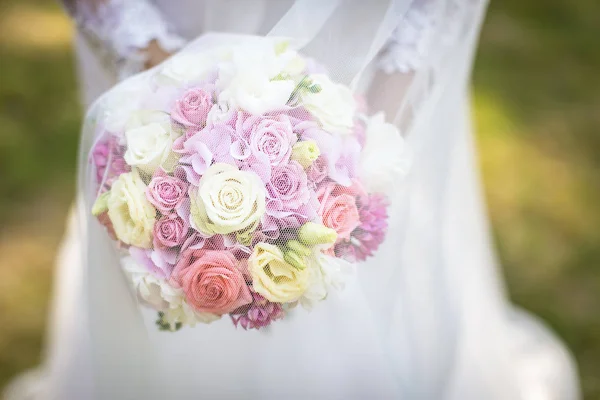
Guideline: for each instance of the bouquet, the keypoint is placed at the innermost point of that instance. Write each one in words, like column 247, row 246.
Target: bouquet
column 240, row 180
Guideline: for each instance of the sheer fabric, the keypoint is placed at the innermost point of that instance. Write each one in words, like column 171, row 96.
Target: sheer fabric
column 426, row 318
column 120, row 30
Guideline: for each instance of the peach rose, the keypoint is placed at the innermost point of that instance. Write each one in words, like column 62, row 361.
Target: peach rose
column 338, row 208
column 211, row 281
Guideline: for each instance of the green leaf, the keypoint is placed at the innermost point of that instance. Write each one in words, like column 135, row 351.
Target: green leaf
column 101, row 204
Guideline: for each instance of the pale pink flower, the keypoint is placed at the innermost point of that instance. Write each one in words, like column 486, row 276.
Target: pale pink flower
column 192, row 109
column 338, row 208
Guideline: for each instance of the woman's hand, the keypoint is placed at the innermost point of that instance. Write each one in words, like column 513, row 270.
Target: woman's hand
column 155, row 54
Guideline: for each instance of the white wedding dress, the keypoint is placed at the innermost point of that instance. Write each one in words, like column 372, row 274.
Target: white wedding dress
column 426, row 318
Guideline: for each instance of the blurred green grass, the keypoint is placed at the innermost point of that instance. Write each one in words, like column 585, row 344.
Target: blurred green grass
column 537, row 103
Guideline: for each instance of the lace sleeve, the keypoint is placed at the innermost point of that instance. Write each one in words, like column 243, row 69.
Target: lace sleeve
column 423, row 26
column 120, row 30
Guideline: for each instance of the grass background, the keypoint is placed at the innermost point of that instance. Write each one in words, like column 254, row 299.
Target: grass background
column 537, row 108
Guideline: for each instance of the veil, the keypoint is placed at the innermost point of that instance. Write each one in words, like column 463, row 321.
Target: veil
column 429, row 303
column 123, row 358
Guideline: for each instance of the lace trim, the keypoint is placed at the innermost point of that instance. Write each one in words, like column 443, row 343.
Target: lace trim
column 119, row 29
column 423, row 28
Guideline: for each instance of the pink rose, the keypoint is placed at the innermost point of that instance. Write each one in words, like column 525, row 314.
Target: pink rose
column 193, row 107
column 271, row 138
column 288, row 188
column 170, row 231
column 211, row 281
column 166, row 192
column 338, row 209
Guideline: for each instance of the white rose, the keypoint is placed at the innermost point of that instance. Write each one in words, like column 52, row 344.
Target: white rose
column 333, row 106
column 130, row 213
column 149, row 139
column 384, row 157
column 326, row 273
column 228, row 200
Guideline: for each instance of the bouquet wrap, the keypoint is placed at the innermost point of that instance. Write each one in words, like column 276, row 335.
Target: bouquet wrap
column 239, row 179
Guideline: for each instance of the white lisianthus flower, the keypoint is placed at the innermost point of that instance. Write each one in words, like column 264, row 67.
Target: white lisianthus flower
column 151, row 290
column 255, row 79
column 255, row 93
column 119, row 105
column 228, row 200
column 326, row 273
column 160, row 295
column 186, row 68
column 220, row 113
column 184, row 313
column 293, row 63
column 333, row 105
column 131, row 214
column 384, row 156
column 149, row 139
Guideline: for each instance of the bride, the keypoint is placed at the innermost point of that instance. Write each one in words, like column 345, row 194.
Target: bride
column 426, row 318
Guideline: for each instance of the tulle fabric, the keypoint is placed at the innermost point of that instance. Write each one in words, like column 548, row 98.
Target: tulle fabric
column 427, row 317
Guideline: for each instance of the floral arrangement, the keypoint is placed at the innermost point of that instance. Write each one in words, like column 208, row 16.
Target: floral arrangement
column 241, row 181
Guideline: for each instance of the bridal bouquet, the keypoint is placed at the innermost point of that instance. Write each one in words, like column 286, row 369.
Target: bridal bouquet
column 241, row 180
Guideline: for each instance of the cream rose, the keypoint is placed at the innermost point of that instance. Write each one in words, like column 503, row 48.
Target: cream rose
column 333, row 106
column 131, row 214
column 273, row 277
column 149, row 138
column 227, row 200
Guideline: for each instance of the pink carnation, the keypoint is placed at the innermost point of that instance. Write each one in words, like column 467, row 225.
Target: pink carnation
column 259, row 315
column 367, row 238
column 211, row 281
